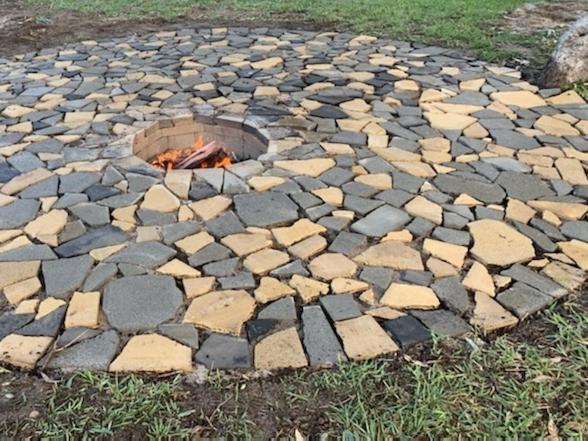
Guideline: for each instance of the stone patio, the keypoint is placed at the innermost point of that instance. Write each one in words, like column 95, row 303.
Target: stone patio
column 403, row 191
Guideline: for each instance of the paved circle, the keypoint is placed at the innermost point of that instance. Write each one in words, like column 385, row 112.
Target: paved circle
column 405, row 191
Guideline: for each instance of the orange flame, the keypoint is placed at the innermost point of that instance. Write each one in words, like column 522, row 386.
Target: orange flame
column 168, row 159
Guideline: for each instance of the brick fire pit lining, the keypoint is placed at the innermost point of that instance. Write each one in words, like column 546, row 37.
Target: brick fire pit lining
column 385, row 192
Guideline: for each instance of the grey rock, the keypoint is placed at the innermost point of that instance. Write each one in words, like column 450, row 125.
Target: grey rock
column 575, row 230
column 283, row 309
column 90, row 354
column 64, row 276
column 224, row 352
column 349, row 244
column 267, row 209
column 381, row 221
column 28, row 252
column 488, row 193
column 18, row 213
column 98, row 238
column 521, row 273
column 210, row 253
column 320, row 341
column 442, row 322
column 340, row 306
column 146, row 254
column 10, row 322
column 92, row 214
column 181, row 332
column 140, row 303
column 451, row 292
column 523, row 186
column 47, row 325
column 72, row 336
column 99, row 276
column 407, row 331
column 523, row 300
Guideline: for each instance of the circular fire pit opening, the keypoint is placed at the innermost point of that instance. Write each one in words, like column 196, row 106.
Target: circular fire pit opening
column 198, row 142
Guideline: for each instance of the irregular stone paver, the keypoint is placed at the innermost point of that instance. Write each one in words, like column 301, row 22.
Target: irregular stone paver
column 496, row 243
column 138, row 303
column 221, row 311
column 386, row 174
column 280, row 350
column 152, row 353
column 23, row 351
column 363, row 338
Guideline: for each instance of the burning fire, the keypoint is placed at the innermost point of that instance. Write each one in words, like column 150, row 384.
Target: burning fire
column 210, row 155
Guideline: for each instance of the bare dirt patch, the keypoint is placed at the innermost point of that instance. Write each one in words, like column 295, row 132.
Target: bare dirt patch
column 545, row 16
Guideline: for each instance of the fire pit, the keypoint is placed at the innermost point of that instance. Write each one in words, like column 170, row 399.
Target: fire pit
column 195, row 142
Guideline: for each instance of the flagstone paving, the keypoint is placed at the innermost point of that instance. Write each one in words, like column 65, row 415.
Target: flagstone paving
column 404, row 191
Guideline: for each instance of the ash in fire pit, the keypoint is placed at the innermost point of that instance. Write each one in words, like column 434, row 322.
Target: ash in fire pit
column 195, row 142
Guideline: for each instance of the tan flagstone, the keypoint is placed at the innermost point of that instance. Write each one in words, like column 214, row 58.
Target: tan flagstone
column 489, row 315
column 280, row 350
column 449, row 121
column 5, row 200
column 391, row 254
column 368, row 297
column 178, row 269
column 125, row 214
column 330, row 195
column 263, row 183
column 210, row 208
column 576, row 250
column 426, row 209
column 341, row 285
column 363, row 338
column 496, row 243
column 476, row 131
column 178, row 181
column 555, row 127
column 308, row 289
column 519, row 211
column 431, row 95
column 380, row 181
column 400, row 236
column 246, row 243
column 78, row 118
column 356, row 105
column 265, row 260
column 472, row 85
column 198, row 286
column 572, row 171
column 523, row 99
column 548, row 216
column 271, row 289
column 27, row 307
column 261, row 91
column 22, row 290
column 563, row 210
column 307, row 167
column 410, row 85
column 419, row 169
column 221, row 311
column 194, row 243
column 83, row 310
column 100, row 254
column 159, row 198
column 20, row 241
column 566, row 275
column 307, row 248
column 16, row 111
column 23, row 351
column 460, row 109
column 47, row 306
column 467, row 200
column 440, row 268
column 478, row 279
column 148, row 234
column 13, row 272
column 386, row 313
column 25, row 180
column 451, row 253
column 267, row 63
column 329, row 266
column 437, row 144
column 567, row 98
column 337, row 149
column 384, row 61
column 404, row 296
column 152, row 353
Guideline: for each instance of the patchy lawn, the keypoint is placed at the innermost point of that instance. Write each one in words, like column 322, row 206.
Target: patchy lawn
column 528, row 384
column 521, row 32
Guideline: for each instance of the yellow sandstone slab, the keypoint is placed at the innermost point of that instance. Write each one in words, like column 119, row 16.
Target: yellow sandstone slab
column 13, row 272
column 280, row 350
column 307, row 167
column 329, row 266
column 363, row 338
column 221, row 311
column 246, row 243
column 210, row 208
column 403, row 296
column 496, row 243
column 194, row 243
column 153, row 353
column 198, row 286
column 478, row 279
column 308, row 289
column 489, row 315
column 300, row 230
column 178, row 269
column 523, row 99
column 83, row 310
column 23, row 351
column 22, row 290
column 265, row 260
column 451, row 253
column 391, row 254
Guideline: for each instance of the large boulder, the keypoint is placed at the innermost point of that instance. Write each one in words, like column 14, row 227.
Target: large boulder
column 569, row 61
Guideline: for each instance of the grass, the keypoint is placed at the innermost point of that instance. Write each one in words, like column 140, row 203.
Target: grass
column 529, row 384
column 462, row 24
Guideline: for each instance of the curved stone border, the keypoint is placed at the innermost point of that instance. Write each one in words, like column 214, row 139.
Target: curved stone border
column 406, row 191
